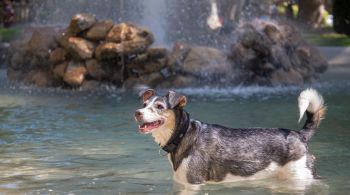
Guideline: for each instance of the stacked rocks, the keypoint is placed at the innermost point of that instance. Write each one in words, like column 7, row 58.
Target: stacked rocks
column 89, row 52
column 268, row 53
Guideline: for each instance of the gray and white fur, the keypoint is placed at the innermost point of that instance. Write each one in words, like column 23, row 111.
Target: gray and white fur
column 207, row 153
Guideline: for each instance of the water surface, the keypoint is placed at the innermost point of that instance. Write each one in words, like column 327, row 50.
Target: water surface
column 64, row 142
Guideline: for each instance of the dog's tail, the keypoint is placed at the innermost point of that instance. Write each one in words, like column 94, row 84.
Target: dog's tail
column 311, row 102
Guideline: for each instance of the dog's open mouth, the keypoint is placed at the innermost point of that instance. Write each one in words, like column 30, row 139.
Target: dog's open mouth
column 148, row 127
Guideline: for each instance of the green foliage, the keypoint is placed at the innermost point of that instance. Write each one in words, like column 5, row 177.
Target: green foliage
column 329, row 39
column 9, row 34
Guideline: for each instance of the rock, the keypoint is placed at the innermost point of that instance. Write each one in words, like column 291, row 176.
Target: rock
column 81, row 22
column 121, row 32
column 282, row 77
column 42, row 79
column 183, row 81
column 95, row 70
column 90, row 85
column 81, row 48
column 41, row 42
column 206, row 62
column 156, row 53
column 108, row 51
column 272, row 31
column 59, row 71
column 14, row 75
column 178, row 55
column 280, row 57
column 75, row 73
column 99, row 30
column 146, row 67
column 151, row 80
column 132, row 39
column 57, row 56
column 63, row 39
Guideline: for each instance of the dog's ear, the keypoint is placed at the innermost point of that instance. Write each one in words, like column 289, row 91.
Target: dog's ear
column 176, row 100
column 147, row 94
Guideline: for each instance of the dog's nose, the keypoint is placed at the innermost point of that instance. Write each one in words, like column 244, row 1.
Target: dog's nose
column 138, row 115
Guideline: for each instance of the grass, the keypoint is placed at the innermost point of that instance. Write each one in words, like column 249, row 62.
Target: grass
column 327, row 39
column 9, row 34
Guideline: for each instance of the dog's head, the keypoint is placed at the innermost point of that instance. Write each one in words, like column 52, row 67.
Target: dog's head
column 158, row 112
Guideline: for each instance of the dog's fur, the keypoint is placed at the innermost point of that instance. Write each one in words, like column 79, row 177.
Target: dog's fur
column 203, row 152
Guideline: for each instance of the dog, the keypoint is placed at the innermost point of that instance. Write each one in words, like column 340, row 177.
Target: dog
column 202, row 153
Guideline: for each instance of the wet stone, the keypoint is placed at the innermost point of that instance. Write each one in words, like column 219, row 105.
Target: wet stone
column 75, row 73
column 99, row 30
column 81, row 22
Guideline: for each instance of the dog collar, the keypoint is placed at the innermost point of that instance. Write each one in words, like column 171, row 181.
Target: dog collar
column 175, row 140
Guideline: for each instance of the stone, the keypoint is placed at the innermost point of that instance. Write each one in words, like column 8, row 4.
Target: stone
column 95, row 69
column 206, row 62
column 108, row 51
column 151, row 80
column 273, row 33
column 99, row 30
column 183, row 81
column 41, row 42
column 63, row 39
column 14, row 75
column 42, row 79
column 75, row 73
column 132, row 39
column 59, row 71
column 156, row 53
column 57, row 56
column 178, row 54
column 90, row 85
column 120, row 32
column 81, row 48
column 81, row 22
column 146, row 67
column 282, row 77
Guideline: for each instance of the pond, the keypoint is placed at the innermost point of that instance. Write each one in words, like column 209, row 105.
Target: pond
column 75, row 142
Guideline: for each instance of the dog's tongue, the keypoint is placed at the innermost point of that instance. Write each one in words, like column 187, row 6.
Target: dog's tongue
column 148, row 126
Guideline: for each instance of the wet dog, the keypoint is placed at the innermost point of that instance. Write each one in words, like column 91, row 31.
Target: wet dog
column 200, row 152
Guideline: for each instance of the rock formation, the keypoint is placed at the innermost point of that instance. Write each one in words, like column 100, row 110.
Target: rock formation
column 90, row 52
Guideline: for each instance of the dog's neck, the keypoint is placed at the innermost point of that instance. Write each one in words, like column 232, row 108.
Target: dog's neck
column 173, row 130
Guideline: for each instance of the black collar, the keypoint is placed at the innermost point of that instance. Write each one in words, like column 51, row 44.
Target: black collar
column 180, row 131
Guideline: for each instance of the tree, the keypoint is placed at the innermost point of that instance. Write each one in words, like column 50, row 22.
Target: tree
column 341, row 16
column 311, row 12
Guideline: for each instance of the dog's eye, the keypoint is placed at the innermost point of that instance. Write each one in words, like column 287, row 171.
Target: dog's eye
column 144, row 105
column 160, row 107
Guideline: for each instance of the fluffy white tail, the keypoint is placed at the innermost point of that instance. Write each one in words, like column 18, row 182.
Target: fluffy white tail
column 311, row 102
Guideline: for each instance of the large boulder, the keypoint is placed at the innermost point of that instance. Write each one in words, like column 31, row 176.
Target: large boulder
column 95, row 69
column 57, row 56
column 132, row 39
column 75, row 73
column 271, row 53
column 81, row 22
column 108, row 51
column 203, row 63
column 99, row 30
column 59, row 71
column 42, row 41
column 81, row 48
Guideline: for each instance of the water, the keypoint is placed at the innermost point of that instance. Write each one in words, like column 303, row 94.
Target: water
column 63, row 142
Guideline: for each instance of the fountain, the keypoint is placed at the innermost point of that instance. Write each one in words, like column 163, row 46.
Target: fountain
column 76, row 135
column 91, row 51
